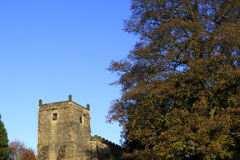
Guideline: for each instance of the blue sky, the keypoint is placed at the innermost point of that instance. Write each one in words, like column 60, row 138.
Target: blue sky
column 52, row 48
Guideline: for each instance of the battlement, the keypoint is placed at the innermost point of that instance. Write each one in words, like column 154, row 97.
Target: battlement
column 109, row 143
column 52, row 106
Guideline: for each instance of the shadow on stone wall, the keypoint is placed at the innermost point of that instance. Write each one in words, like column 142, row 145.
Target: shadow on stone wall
column 102, row 153
column 61, row 152
column 43, row 154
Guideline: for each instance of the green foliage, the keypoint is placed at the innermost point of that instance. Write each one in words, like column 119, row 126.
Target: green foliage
column 112, row 158
column 4, row 150
column 18, row 157
column 181, row 82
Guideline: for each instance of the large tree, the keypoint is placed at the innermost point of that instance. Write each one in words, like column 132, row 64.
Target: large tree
column 4, row 150
column 181, row 82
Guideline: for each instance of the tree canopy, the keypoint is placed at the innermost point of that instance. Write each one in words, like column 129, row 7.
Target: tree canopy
column 4, row 150
column 180, row 83
column 18, row 150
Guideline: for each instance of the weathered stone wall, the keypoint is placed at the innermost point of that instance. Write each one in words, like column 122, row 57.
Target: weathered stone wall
column 64, row 136
column 103, row 149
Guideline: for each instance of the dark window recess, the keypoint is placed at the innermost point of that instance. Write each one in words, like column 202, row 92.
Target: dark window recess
column 54, row 116
column 80, row 119
column 84, row 114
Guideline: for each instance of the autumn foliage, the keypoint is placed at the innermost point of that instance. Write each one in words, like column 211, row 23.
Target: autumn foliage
column 19, row 148
column 181, row 82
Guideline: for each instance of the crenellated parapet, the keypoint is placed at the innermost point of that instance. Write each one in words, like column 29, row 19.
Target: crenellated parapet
column 103, row 140
column 49, row 106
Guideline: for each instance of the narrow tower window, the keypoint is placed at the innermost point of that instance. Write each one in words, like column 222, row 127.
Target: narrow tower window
column 54, row 116
column 80, row 119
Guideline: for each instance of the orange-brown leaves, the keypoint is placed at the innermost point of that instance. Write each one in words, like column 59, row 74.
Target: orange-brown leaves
column 181, row 82
column 18, row 148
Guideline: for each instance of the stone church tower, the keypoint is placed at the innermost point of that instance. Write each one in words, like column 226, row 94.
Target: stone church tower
column 64, row 134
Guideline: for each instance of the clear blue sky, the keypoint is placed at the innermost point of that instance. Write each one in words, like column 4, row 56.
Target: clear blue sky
column 52, row 48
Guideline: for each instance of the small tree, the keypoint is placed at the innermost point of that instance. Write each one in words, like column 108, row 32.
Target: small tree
column 18, row 157
column 18, row 150
column 4, row 150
